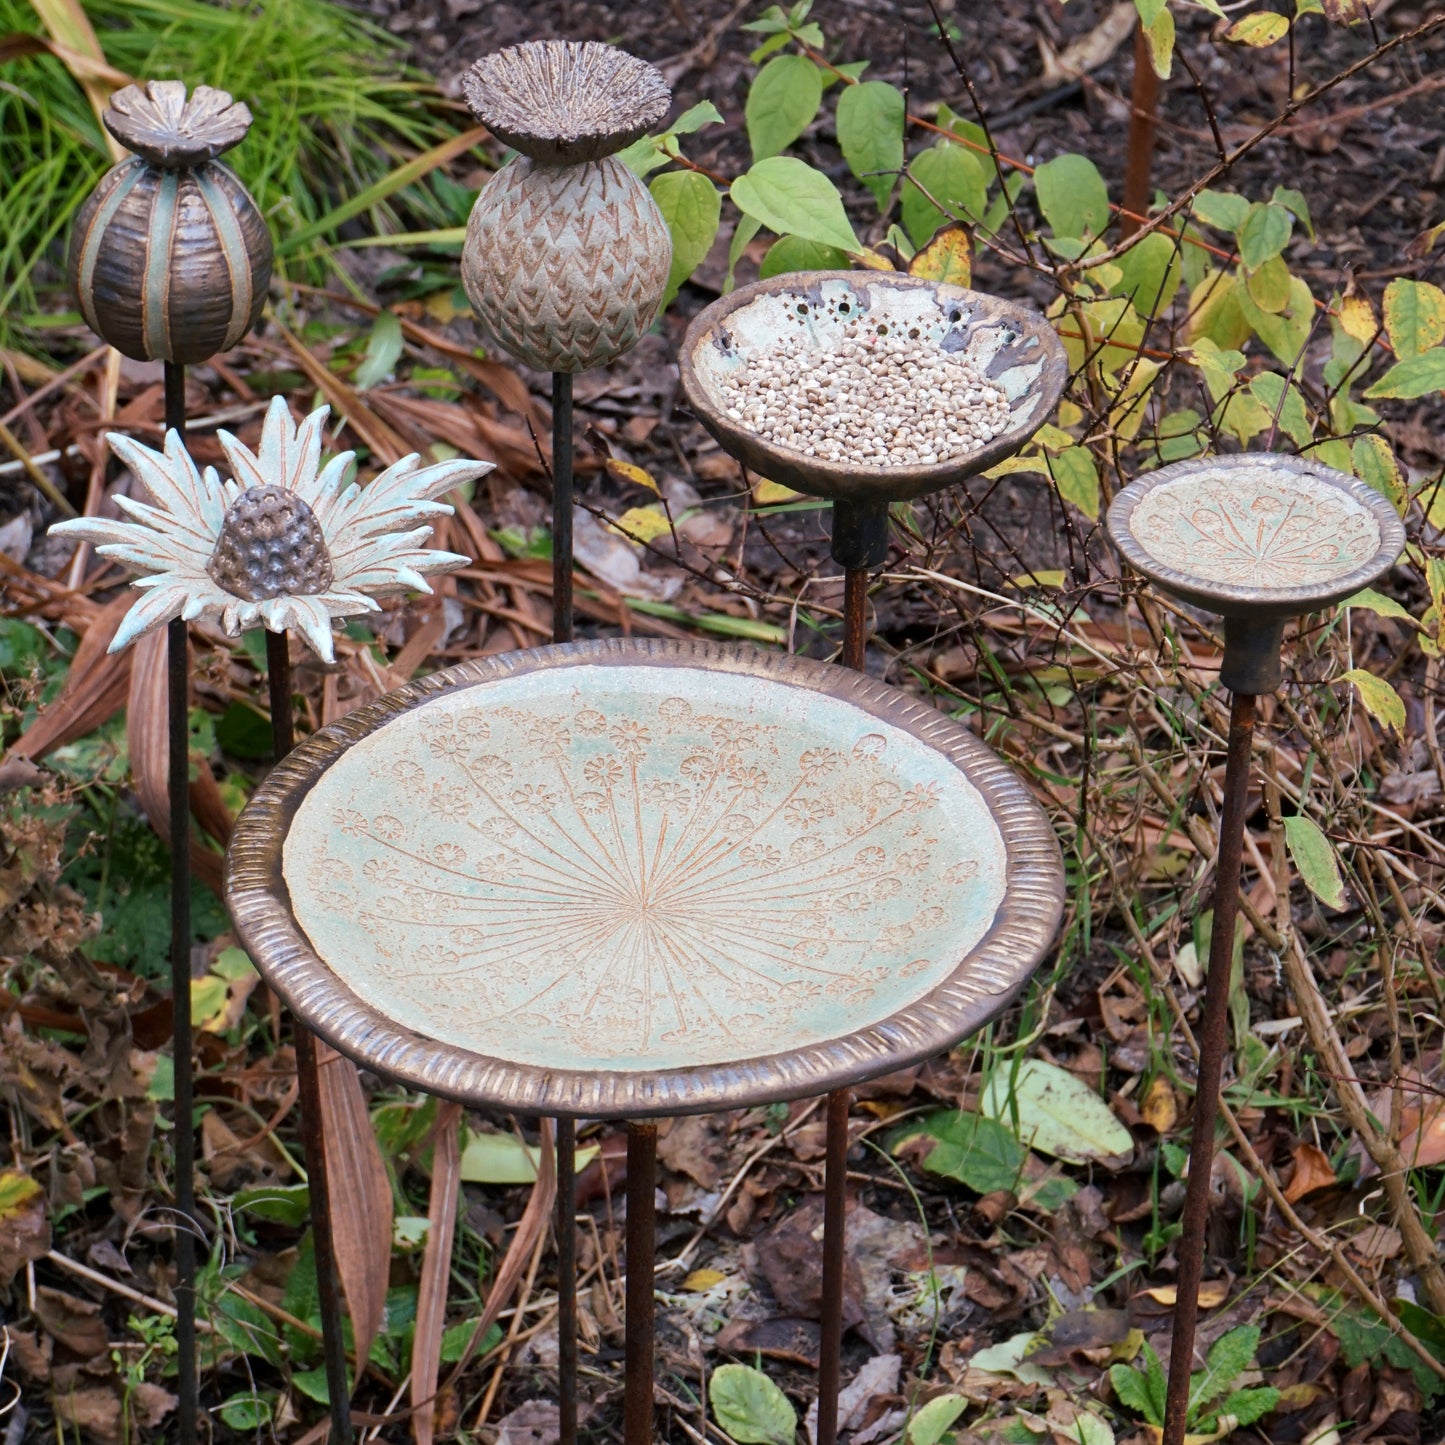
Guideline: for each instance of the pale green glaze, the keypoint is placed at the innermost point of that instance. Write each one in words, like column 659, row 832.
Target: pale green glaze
column 625, row 868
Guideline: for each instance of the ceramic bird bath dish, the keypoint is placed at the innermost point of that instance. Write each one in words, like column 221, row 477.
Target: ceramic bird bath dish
column 629, row 879
column 1256, row 539
column 1007, row 344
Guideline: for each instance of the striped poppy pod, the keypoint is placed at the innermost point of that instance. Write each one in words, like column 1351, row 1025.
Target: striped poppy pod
column 170, row 258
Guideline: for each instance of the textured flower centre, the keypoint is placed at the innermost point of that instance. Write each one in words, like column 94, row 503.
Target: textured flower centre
column 271, row 545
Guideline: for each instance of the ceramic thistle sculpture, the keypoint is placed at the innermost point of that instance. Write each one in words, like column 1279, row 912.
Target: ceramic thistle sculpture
column 567, row 255
column 285, row 542
column 169, row 257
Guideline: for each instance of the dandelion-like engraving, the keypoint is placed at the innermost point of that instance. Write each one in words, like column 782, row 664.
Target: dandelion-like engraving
column 653, row 891
column 1233, row 525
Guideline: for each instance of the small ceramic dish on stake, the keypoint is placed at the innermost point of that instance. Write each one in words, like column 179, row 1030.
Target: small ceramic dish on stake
column 1256, row 539
column 824, row 311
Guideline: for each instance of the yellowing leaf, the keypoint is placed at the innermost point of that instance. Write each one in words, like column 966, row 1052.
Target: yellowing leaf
column 1055, row 1112
column 1037, row 579
column 766, row 493
column 1315, row 860
column 1375, row 463
column 627, row 472
column 1357, row 317
column 1412, row 377
column 643, row 524
column 1127, row 415
column 1160, row 35
column 1261, row 28
column 702, row 1280
column 1212, row 1294
column 1414, row 316
column 1381, row 700
column 1077, row 479
column 947, row 257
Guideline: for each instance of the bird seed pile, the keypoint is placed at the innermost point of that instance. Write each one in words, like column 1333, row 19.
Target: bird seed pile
column 876, row 400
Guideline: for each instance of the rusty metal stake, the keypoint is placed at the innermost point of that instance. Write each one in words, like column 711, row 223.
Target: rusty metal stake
column 566, row 1225
column 638, row 1304
column 835, row 1164
column 1143, row 123
column 178, row 690
column 308, row 1084
column 561, row 506
column 1213, row 1035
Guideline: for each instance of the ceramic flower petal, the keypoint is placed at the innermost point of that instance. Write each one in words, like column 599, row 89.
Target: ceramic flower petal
column 282, row 544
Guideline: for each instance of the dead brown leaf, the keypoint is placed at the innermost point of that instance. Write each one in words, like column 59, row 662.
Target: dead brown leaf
column 431, row 1302
column 1311, row 1171
column 71, row 1321
column 24, row 1226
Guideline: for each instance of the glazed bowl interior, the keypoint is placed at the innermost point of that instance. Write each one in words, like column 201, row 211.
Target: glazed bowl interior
column 1008, row 343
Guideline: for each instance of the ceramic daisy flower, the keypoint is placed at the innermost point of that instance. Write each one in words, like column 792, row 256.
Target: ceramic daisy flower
column 285, row 542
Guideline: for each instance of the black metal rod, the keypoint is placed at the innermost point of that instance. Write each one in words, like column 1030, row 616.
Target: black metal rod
column 561, row 506
column 308, row 1085
column 1213, row 1034
column 178, row 689
column 638, row 1304
column 566, row 1225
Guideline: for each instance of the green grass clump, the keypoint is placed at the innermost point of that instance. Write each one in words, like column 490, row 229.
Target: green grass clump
column 336, row 109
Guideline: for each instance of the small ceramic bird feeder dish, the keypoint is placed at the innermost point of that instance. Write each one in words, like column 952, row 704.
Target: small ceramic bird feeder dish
column 799, row 316
column 169, row 257
column 567, row 255
column 1255, row 539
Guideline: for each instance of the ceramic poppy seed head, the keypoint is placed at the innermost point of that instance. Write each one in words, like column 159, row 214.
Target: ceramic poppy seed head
column 564, row 102
column 160, row 124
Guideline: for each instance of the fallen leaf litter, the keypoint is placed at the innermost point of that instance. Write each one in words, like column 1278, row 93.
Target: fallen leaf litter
column 872, row 399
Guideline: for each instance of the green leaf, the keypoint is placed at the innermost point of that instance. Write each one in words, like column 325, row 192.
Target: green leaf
column 788, row 196
column 692, row 207
column 1056, row 1113
column 456, row 1339
column 870, row 134
column 954, row 178
column 1286, row 333
column 1295, row 203
column 1265, row 233
column 288, row 1204
column 750, row 1407
column 931, row 1423
column 1222, row 210
column 1244, row 1407
column 1315, row 860
column 1269, row 285
column 1379, row 604
column 1412, row 377
column 1283, row 400
column 1381, row 700
column 247, row 1411
column 793, row 253
column 1072, row 195
column 383, row 351
column 1414, row 315
column 1129, row 1385
column 743, row 234
column 695, row 117
column 976, row 1151
column 505, row 1159
column 1151, row 270
column 1229, row 1357
column 1077, row 477
column 782, row 103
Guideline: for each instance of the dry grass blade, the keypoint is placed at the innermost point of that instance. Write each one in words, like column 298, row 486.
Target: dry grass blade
column 78, row 49
column 347, row 402
column 436, row 1264
column 361, row 1203
column 95, row 688
column 533, row 1224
